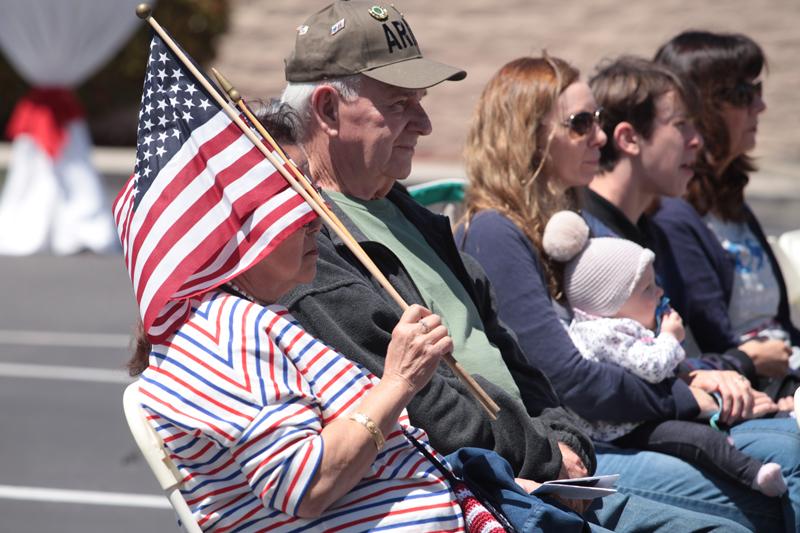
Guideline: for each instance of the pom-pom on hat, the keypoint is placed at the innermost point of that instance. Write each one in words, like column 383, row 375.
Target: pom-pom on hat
column 600, row 273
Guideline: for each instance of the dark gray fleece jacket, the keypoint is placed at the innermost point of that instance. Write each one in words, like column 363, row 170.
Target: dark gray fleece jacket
column 346, row 308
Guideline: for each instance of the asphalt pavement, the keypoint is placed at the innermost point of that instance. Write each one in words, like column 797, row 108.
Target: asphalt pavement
column 67, row 461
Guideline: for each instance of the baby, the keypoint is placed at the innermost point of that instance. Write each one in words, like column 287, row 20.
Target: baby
column 611, row 286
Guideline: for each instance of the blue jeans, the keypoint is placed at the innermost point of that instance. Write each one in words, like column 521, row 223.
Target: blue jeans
column 628, row 513
column 669, row 480
column 776, row 440
column 622, row 513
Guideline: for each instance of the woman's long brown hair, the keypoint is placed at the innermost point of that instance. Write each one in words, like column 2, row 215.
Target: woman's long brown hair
column 507, row 150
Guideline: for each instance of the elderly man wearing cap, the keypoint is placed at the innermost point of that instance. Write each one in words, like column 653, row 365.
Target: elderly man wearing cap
column 356, row 80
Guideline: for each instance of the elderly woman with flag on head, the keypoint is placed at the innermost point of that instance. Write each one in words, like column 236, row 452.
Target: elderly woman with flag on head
column 268, row 425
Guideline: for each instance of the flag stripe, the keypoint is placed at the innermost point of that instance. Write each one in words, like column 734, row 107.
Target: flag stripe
column 181, row 190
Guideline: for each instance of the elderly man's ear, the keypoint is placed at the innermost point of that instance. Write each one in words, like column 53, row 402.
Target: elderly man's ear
column 626, row 139
column 325, row 103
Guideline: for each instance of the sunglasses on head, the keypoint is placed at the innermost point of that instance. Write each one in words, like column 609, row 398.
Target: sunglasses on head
column 583, row 122
column 742, row 94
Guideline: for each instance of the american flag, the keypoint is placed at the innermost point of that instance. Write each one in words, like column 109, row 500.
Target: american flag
column 203, row 203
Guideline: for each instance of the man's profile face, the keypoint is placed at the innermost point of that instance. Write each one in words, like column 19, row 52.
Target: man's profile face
column 669, row 154
column 377, row 136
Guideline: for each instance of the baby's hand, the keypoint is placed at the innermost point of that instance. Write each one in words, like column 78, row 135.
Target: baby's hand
column 671, row 323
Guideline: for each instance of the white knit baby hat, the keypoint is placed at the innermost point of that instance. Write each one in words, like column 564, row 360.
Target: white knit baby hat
column 600, row 273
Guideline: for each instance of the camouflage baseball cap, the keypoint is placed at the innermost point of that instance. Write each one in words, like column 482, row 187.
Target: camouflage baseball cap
column 357, row 37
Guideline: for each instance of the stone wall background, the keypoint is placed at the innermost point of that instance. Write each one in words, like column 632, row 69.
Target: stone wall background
column 480, row 36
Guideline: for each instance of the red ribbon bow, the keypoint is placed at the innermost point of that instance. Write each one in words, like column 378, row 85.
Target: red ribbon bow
column 44, row 114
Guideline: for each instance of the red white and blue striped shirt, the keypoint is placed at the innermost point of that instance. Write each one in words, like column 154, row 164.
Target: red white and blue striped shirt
column 239, row 395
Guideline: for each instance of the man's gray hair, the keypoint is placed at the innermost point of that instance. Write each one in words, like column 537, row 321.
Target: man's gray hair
column 298, row 96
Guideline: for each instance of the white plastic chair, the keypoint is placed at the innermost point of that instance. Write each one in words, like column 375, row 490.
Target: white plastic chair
column 789, row 244
column 787, row 251
column 157, row 459
column 797, row 406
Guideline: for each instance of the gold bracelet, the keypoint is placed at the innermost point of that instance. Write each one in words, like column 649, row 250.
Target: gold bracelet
column 372, row 427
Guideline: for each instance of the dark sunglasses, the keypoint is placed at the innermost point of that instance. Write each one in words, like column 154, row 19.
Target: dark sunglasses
column 583, row 122
column 742, row 94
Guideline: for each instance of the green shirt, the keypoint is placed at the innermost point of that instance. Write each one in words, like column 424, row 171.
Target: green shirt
column 381, row 221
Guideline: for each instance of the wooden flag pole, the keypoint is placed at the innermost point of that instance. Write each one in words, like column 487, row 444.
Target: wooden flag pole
column 144, row 11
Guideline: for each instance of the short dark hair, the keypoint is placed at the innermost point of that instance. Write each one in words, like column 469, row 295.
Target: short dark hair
column 627, row 89
column 715, row 63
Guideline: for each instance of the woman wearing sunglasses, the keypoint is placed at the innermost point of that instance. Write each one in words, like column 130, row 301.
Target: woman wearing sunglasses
column 533, row 140
column 736, row 295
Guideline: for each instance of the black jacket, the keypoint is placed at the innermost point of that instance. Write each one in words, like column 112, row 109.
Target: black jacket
column 347, row 308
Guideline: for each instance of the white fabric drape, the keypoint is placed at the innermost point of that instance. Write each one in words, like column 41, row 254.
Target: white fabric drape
column 55, row 206
column 60, row 43
column 58, row 204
